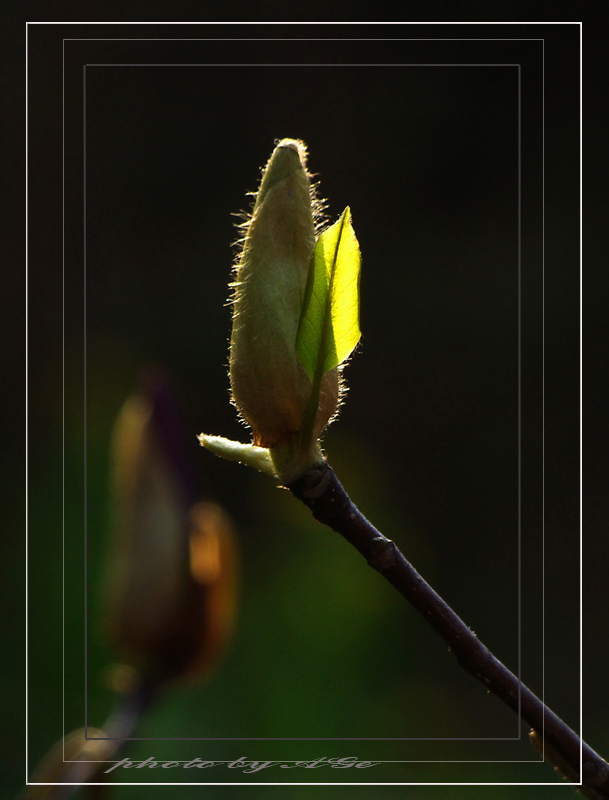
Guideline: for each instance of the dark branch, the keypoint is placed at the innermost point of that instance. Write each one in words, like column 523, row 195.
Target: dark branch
column 321, row 491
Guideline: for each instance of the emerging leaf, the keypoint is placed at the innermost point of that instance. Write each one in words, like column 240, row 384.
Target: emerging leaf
column 329, row 324
column 248, row 454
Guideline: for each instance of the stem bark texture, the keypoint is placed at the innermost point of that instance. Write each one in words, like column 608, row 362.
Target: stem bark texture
column 321, row 491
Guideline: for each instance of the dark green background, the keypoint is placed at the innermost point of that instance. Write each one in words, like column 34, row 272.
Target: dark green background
column 427, row 443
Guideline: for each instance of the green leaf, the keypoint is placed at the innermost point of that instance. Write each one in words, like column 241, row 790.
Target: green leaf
column 329, row 324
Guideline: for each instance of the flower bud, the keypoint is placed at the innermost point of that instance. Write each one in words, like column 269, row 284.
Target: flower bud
column 270, row 387
column 149, row 566
column 214, row 571
column 172, row 575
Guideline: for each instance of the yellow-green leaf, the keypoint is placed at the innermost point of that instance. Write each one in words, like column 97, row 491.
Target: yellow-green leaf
column 329, row 324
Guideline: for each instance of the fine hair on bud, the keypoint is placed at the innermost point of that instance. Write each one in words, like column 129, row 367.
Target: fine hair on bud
column 270, row 387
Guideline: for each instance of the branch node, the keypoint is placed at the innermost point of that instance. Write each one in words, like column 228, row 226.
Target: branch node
column 315, row 482
column 382, row 553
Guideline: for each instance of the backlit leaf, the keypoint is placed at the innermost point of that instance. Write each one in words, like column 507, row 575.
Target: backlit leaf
column 329, row 324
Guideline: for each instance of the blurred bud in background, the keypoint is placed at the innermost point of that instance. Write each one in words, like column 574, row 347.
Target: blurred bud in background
column 56, row 766
column 214, row 572
column 172, row 581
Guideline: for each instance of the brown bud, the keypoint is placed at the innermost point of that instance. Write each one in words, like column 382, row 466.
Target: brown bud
column 148, row 571
column 214, row 570
column 172, row 575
